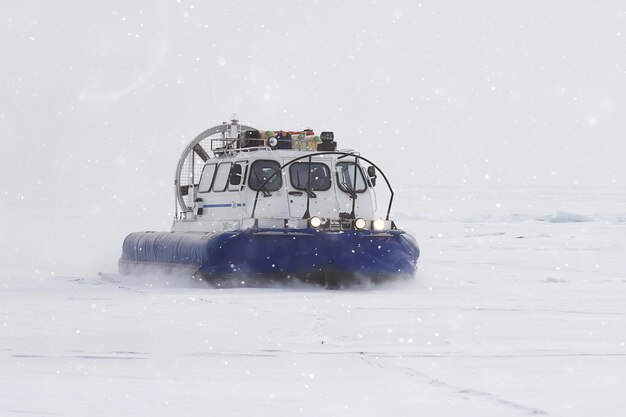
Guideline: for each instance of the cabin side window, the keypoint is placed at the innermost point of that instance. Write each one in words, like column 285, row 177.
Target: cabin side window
column 207, row 178
column 237, row 178
column 319, row 174
column 260, row 171
column 221, row 177
column 345, row 177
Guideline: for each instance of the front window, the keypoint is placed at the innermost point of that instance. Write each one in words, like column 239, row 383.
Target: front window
column 319, row 174
column 260, row 171
column 345, row 177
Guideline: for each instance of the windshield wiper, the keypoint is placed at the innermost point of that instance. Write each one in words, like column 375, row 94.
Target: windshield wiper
column 307, row 189
column 298, row 179
column 266, row 193
column 349, row 190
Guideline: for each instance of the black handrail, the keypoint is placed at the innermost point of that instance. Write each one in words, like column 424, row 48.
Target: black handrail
column 357, row 157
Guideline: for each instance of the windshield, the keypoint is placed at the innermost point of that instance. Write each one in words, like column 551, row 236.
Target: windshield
column 320, row 176
column 345, row 177
column 260, row 171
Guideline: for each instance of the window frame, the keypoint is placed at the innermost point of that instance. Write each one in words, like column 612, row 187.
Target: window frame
column 229, row 163
column 244, row 173
column 200, row 190
column 359, row 171
column 278, row 175
column 327, row 170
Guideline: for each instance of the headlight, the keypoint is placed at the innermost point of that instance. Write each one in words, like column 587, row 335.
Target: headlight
column 359, row 223
column 378, row 225
column 315, row 222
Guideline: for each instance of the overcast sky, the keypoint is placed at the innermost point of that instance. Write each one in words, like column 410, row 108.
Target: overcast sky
column 453, row 92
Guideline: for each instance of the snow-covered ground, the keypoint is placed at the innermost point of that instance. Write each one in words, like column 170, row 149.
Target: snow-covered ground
column 518, row 308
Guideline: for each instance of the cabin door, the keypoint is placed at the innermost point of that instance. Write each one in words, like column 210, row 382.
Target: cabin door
column 309, row 185
column 353, row 191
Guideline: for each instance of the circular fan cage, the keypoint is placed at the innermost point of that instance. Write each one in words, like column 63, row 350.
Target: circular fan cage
column 189, row 169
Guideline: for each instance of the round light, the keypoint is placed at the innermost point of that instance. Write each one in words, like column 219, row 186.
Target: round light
column 272, row 141
column 378, row 225
column 315, row 222
column 359, row 223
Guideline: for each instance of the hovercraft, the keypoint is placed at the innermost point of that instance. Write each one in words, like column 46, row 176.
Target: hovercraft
column 255, row 206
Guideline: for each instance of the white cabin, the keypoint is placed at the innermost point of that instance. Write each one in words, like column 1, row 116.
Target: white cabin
column 235, row 177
